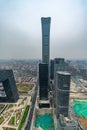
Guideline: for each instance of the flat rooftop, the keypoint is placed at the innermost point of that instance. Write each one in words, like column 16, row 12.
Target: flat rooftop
column 44, row 101
column 63, row 73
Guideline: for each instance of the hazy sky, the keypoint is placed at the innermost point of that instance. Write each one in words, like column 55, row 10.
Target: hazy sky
column 20, row 28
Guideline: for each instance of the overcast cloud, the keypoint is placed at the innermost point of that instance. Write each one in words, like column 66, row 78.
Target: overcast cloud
column 20, row 28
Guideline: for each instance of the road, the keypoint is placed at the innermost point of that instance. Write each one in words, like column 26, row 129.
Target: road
column 29, row 121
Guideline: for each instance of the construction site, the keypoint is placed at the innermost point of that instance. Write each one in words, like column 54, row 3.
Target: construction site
column 78, row 100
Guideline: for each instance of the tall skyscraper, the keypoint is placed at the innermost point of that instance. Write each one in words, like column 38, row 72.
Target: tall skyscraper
column 45, row 39
column 46, row 42
column 62, row 93
column 59, row 65
column 43, row 81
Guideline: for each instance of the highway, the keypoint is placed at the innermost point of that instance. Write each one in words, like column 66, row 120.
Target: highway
column 29, row 120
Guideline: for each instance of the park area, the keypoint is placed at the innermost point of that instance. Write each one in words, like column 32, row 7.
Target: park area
column 14, row 115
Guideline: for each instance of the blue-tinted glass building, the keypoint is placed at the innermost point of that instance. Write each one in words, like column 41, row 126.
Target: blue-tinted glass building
column 46, row 42
column 45, row 39
column 59, row 65
column 62, row 93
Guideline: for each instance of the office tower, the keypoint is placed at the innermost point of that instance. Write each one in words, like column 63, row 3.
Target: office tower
column 59, row 65
column 43, row 81
column 62, row 93
column 52, row 69
column 45, row 39
column 46, row 42
column 8, row 82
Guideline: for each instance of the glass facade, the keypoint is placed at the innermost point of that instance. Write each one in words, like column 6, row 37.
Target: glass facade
column 62, row 93
column 43, row 81
column 52, row 69
column 45, row 39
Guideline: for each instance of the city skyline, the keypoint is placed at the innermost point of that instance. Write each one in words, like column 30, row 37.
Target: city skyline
column 20, row 25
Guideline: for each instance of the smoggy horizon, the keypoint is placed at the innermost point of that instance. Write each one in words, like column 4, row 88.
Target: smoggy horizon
column 21, row 34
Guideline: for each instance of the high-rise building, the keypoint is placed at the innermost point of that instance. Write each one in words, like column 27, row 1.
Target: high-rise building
column 43, row 81
column 9, row 85
column 59, row 65
column 46, row 42
column 45, row 39
column 62, row 93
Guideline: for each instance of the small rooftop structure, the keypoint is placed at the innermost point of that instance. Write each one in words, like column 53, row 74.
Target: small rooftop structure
column 63, row 72
column 44, row 104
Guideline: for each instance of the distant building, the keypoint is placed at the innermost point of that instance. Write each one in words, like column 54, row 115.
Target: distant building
column 8, row 82
column 59, row 65
column 62, row 93
column 83, row 73
column 43, row 81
